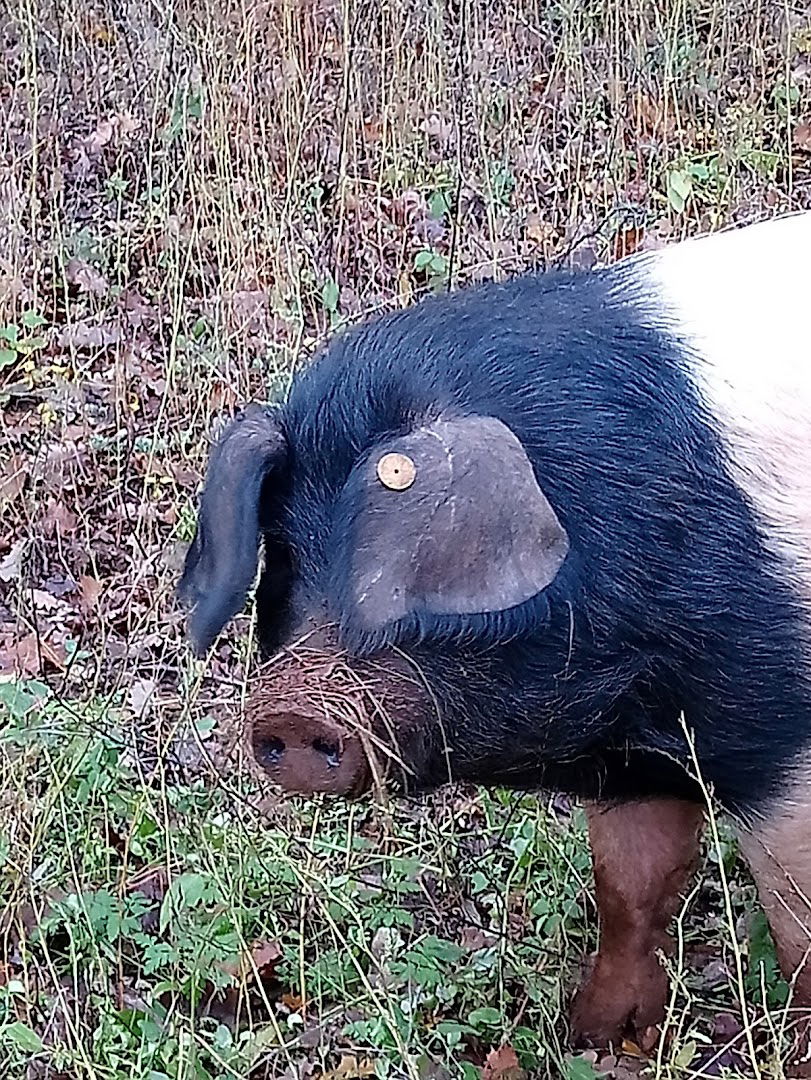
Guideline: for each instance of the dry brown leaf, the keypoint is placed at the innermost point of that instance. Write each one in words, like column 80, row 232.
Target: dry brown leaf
column 137, row 311
column 626, row 1068
column 503, row 1064
column 373, row 129
column 86, row 277
column 12, row 285
column 539, row 231
column 293, row 1002
column 404, row 288
column 84, row 335
column 474, row 938
column 648, row 114
column 642, row 1049
column 30, row 654
column 18, row 921
column 222, row 398
column 90, row 590
column 152, row 883
column 12, row 479
column 407, row 207
column 127, row 124
column 262, row 958
column 726, row 1026
column 626, row 241
column 59, row 520
column 100, row 137
column 350, row 1068
column 802, row 136
column 247, row 304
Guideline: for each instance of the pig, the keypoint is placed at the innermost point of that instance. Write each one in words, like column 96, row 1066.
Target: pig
column 550, row 533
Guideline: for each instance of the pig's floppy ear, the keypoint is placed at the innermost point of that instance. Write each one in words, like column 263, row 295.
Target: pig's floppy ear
column 222, row 560
column 451, row 520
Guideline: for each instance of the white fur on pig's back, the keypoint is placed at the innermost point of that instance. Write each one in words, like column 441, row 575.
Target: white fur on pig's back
column 741, row 301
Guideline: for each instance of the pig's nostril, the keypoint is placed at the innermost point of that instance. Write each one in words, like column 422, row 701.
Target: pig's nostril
column 329, row 750
column 272, row 750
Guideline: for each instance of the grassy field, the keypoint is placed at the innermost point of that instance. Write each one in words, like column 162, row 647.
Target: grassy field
column 192, row 197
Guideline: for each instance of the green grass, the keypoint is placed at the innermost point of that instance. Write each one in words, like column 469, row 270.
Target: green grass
column 191, row 200
column 136, row 894
column 167, row 916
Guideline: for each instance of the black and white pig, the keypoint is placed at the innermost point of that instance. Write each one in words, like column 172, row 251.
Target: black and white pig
column 553, row 524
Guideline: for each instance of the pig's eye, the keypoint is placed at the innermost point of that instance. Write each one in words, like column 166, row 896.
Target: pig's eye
column 396, row 471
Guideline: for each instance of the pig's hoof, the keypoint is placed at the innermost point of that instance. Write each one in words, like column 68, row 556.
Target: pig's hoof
column 620, row 1000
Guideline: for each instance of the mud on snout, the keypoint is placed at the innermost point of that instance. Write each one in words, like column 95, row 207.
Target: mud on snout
column 319, row 721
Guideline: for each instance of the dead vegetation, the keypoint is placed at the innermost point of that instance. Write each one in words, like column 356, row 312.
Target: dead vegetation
column 191, row 199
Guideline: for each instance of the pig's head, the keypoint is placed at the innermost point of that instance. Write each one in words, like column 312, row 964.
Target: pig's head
column 365, row 588
column 400, row 578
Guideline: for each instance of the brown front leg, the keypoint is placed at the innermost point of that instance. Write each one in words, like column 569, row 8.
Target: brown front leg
column 778, row 850
column 644, row 854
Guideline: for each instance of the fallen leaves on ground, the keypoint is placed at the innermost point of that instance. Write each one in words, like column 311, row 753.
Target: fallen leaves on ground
column 802, row 136
column 31, row 655
column 254, row 969
column 503, row 1064
column 351, row 1068
column 260, row 961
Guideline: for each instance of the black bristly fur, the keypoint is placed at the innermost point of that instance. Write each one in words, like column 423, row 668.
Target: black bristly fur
column 669, row 600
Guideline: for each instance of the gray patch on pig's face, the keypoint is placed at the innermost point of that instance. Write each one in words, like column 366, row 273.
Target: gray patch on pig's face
column 473, row 533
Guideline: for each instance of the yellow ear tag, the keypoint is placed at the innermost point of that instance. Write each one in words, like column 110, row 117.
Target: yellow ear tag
column 396, row 471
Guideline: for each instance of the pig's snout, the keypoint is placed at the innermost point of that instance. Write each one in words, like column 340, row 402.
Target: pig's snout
column 319, row 721
column 307, row 753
